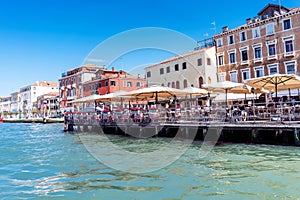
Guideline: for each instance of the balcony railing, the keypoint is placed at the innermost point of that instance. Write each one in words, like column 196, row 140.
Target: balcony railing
column 71, row 98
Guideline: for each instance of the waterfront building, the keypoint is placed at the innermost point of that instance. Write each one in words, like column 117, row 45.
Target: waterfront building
column 15, row 102
column 48, row 104
column 71, row 83
column 109, row 81
column 5, row 108
column 265, row 45
column 191, row 69
column 28, row 96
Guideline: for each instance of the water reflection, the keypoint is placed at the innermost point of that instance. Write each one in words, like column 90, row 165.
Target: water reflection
column 39, row 162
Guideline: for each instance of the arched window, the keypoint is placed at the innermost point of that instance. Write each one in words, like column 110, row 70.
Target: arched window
column 200, row 81
column 173, row 85
column 177, row 85
column 184, row 83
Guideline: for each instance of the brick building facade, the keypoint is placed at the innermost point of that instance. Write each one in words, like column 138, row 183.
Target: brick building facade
column 71, row 83
column 265, row 45
column 109, row 81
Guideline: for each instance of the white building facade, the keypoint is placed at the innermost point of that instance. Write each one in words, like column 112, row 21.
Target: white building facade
column 191, row 69
column 15, row 102
column 28, row 95
column 5, row 105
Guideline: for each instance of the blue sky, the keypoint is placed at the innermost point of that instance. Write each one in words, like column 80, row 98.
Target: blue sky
column 41, row 39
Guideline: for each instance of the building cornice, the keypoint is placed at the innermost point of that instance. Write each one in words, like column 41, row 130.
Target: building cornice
column 258, row 23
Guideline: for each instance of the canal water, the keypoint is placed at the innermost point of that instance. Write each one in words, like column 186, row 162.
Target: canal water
column 39, row 161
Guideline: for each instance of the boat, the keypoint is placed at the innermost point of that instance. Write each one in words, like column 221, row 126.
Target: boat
column 1, row 120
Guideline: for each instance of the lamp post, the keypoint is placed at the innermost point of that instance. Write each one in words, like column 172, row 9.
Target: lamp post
column 208, row 99
column 252, row 91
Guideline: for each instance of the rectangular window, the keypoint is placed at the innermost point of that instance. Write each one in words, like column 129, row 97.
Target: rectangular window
column 232, row 57
column 256, row 32
column 273, row 69
column 272, row 50
column 257, row 49
column 168, row 69
column 138, row 84
column 161, row 70
column 129, row 84
column 287, row 24
column 148, row 74
column 176, row 67
column 199, row 61
column 244, row 55
column 259, row 72
column 290, row 67
column 243, row 36
column 208, row 61
column 184, row 65
column 222, row 77
column 245, row 74
column 233, row 77
column 230, row 39
column 288, row 46
column 270, row 29
column 106, row 83
column 113, row 83
column 257, row 52
column 221, row 60
column 220, row 42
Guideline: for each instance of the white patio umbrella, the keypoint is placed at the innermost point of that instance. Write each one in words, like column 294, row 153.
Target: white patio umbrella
column 225, row 86
column 156, row 92
column 276, row 82
column 91, row 98
column 195, row 91
column 114, row 95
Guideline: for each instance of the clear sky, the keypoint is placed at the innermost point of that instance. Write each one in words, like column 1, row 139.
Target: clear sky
column 41, row 39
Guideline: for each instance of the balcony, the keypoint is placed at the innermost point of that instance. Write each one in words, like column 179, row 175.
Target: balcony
column 289, row 54
column 272, row 57
column 245, row 62
column 256, row 60
column 70, row 98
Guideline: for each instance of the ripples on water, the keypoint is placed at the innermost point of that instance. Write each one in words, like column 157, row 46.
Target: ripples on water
column 40, row 161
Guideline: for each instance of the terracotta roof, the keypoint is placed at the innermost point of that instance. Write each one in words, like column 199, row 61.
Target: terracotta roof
column 46, row 84
column 295, row 9
column 52, row 94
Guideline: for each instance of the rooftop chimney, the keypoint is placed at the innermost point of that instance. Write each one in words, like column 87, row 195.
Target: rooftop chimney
column 248, row 20
column 139, row 76
column 112, row 69
column 225, row 29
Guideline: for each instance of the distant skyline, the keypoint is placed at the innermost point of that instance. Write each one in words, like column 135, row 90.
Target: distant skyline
column 39, row 40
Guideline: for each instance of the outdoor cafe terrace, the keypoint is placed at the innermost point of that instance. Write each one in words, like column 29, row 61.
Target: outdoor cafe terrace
column 163, row 104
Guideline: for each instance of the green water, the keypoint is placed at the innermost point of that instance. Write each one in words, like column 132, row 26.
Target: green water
column 39, row 161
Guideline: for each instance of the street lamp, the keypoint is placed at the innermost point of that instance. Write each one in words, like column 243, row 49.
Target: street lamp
column 209, row 102
column 252, row 91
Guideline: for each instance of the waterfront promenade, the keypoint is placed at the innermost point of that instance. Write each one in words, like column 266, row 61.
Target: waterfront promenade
column 34, row 120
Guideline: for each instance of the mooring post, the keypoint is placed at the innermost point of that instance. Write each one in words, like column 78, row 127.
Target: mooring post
column 253, row 135
column 186, row 132
column 204, row 132
column 296, row 137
